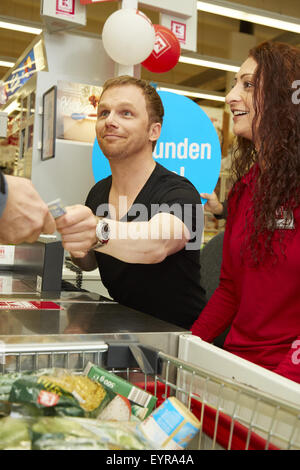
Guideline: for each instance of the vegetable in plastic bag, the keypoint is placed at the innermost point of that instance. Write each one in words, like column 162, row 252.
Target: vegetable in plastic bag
column 59, row 395
column 82, row 433
column 14, row 434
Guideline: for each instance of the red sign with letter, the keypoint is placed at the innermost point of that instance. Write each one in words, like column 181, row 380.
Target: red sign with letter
column 66, row 7
column 179, row 29
column 85, row 2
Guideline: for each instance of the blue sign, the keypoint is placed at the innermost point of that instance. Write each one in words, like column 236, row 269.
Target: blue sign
column 21, row 74
column 188, row 145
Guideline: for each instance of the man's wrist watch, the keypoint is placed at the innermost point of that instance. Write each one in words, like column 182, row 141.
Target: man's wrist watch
column 102, row 234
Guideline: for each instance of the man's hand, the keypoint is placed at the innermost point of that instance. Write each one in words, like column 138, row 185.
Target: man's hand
column 26, row 215
column 78, row 230
column 212, row 205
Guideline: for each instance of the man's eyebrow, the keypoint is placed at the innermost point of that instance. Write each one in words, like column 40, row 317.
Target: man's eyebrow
column 102, row 104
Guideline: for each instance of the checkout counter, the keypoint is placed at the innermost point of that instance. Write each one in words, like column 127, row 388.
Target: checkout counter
column 40, row 321
column 40, row 328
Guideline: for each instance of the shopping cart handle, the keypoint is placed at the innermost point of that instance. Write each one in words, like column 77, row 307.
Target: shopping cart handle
column 128, row 355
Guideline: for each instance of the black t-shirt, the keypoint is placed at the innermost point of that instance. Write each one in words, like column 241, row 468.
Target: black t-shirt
column 169, row 290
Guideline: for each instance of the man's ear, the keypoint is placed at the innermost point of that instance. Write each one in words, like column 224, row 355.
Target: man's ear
column 154, row 132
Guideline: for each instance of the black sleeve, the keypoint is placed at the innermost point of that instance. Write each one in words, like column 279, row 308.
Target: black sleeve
column 92, row 200
column 97, row 194
column 184, row 202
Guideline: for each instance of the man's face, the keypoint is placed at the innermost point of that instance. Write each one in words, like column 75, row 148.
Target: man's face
column 123, row 128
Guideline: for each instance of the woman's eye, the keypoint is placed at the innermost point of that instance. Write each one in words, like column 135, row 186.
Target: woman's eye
column 127, row 113
column 248, row 85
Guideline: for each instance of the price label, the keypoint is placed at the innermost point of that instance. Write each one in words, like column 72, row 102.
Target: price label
column 7, row 254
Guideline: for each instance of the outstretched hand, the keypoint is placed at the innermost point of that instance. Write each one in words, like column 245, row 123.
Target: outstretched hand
column 78, row 230
column 213, row 204
column 26, row 215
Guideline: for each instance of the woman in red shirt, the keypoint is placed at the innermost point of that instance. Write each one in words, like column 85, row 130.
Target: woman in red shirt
column 259, row 290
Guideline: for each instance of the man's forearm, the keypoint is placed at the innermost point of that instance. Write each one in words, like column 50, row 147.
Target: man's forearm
column 132, row 242
column 146, row 242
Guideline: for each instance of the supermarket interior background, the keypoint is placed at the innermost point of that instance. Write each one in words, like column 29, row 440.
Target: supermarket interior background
column 60, row 329
column 218, row 39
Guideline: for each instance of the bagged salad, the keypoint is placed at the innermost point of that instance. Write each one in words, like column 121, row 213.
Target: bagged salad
column 65, row 433
column 58, row 392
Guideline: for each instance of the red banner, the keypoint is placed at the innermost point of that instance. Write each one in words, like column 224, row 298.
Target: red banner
column 25, row 305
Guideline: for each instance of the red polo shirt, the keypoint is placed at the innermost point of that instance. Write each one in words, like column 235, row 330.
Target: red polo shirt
column 261, row 304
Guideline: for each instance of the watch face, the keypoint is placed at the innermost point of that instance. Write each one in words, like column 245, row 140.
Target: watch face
column 103, row 231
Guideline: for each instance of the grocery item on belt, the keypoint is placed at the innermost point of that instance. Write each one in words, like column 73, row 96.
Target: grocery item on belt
column 171, row 426
column 60, row 394
column 141, row 402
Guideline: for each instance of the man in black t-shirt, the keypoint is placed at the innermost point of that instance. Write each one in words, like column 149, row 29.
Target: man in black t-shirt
column 141, row 226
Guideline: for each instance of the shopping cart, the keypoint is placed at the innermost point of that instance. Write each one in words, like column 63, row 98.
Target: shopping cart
column 232, row 415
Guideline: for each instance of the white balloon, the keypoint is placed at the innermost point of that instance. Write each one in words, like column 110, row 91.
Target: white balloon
column 128, row 36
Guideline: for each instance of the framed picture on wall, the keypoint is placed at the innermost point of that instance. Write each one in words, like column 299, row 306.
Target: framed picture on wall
column 30, row 136
column 49, row 123
column 22, row 144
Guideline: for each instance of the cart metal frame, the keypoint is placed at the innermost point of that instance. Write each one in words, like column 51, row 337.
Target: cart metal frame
column 232, row 415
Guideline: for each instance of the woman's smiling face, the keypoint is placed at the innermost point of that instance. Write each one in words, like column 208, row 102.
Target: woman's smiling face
column 240, row 99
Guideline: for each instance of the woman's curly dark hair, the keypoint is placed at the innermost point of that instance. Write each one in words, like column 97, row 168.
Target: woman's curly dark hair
column 276, row 126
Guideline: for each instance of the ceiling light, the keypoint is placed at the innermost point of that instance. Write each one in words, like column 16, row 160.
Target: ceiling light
column 191, row 92
column 13, row 106
column 6, row 63
column 210, row 62
column 253, row 15
column 24, row 28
